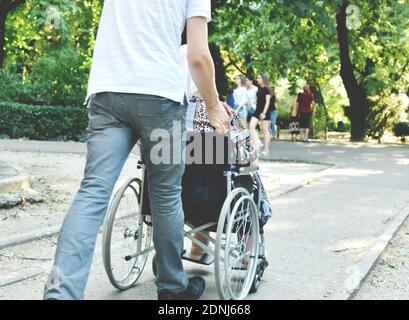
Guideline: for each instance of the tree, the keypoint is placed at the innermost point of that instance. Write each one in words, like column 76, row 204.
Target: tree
column 356, row 91
column 6, row 6
column 52, row 59
column 315, row 40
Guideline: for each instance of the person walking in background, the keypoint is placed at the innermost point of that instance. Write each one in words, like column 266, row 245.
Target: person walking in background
column 136, row 86
column 240, row 98
column 273, row 113
column 294, row 122
column 305, row 105
column 230, row 97
column 265, row 102
column 251, row 98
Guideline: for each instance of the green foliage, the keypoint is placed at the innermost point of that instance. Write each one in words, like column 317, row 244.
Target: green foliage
column 53, row 87
column 401, row 129
column 13, row 88
column 289, row 39
column 339, row 126
column 297, row 39
column 53, row 63
column 384, row 112
column 46, row 84
column 42, row 122
column 285, row 99
column 269, row 37
column 283, row 121
column 319, row 120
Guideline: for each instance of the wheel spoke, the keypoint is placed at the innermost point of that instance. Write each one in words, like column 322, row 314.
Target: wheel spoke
column 126, row 236
column 239, row 267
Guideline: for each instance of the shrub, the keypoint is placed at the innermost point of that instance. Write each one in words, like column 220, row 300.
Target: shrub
column 319, row 120
column 384, row 111
column 13, row 88
column 339, row 126
column 283, row 121
column 43, row 122
column 401, row 130
column 57, row 78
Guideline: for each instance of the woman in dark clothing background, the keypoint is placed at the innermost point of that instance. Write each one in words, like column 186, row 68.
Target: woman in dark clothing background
column 265, row 104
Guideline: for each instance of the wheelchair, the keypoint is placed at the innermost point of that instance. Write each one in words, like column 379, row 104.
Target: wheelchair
column 238, row 247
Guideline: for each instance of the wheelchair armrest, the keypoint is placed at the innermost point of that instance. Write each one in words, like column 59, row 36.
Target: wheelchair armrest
column 248, row 170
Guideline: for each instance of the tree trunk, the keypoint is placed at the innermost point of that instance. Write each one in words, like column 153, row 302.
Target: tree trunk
column 221, row 78
column 3, row 16
column 220, row 68
column 356, row 92
column 250, row 70
column 320, row 101
column 6, row 6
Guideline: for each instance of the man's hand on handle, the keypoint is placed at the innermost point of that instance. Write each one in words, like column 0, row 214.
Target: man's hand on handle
column 219, row 118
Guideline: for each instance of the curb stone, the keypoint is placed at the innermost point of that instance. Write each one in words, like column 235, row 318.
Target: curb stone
column 23, row 238
column 362, row 269
column 21, row 180
column 14, row 277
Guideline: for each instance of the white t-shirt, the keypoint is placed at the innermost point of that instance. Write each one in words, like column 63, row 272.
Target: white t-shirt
column 190, row 86
column 137, row 46
column 240, row 97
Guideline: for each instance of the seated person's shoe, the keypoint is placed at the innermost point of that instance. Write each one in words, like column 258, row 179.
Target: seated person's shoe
column 194, row 291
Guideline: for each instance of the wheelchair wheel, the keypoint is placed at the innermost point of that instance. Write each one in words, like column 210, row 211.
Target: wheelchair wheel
column 154, row 266
column 256, row 281
column 259, row 275
column 237, row 246
column 125, row 237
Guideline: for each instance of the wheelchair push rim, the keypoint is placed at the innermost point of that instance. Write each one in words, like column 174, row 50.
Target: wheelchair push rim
column 126, row 237
column 236, row 246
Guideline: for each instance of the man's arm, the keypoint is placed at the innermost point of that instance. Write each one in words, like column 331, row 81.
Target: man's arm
column 203, row 72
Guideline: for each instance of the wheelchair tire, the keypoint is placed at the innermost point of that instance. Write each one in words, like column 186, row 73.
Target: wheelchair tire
column 259, row 275
column 256, row 281
column 154, row 267
column 239, row 212
column 124, row 225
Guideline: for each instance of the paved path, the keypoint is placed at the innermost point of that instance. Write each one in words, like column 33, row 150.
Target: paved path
column 7, row 171
column 42, row 146
column 317, row 233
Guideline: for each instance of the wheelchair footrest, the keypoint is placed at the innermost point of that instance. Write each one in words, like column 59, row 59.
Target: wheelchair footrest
column 206, row 259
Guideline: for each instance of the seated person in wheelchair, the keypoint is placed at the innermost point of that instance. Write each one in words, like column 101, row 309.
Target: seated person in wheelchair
column 204, row 185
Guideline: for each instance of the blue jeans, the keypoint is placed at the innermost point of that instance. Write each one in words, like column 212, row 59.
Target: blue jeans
column 116, row 121
column 250, row 113
column 273, row 123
